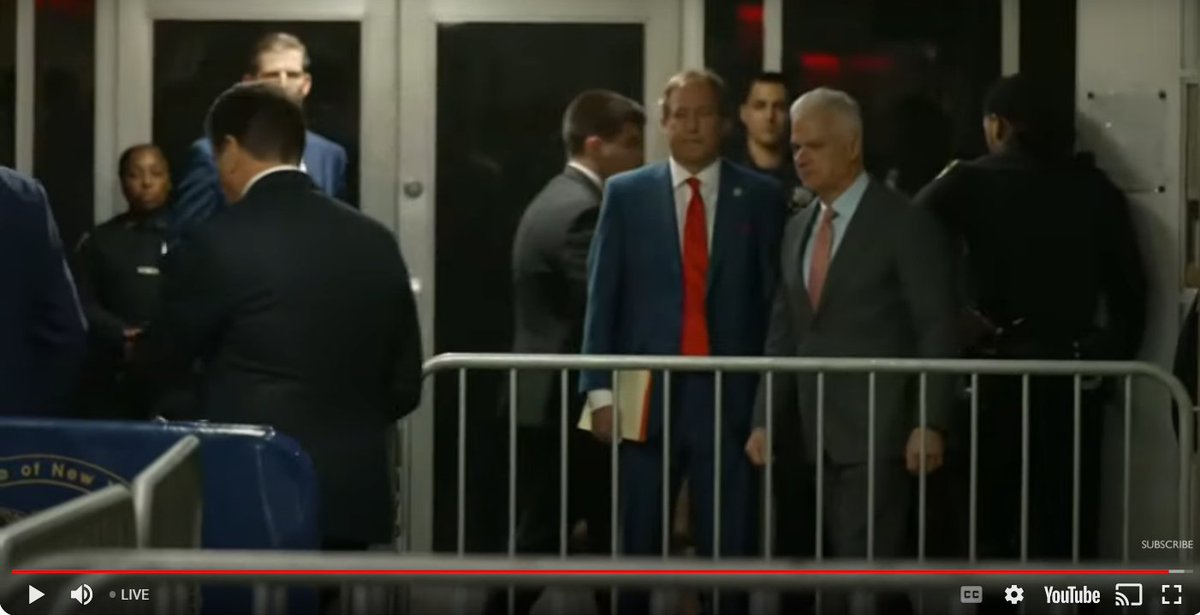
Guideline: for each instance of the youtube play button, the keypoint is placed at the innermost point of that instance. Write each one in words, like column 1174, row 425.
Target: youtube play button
column 34, row 594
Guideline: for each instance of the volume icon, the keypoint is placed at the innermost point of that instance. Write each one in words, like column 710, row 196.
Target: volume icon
column 82, row 594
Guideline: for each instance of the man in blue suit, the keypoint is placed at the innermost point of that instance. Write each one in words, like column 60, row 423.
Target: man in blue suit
column 282, row 59
column 42, row 329
column 684, row 262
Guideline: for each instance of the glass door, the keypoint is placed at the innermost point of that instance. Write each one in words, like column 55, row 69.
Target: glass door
column 173, row 57
column 483, row 87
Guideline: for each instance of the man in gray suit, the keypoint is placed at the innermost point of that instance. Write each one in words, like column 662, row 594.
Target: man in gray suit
column 863, row 274
column 602, row 131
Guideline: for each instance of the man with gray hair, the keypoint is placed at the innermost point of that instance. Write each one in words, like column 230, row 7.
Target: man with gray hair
column 863, row 274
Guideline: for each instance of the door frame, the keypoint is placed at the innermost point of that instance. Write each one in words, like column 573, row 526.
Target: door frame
column 125, row 88
column 416, row 215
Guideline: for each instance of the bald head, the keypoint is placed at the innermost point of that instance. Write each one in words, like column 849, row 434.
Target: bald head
column 827, row 141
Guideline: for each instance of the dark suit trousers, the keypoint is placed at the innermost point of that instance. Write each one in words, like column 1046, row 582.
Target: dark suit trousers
column 539, row 502
column 692, row 454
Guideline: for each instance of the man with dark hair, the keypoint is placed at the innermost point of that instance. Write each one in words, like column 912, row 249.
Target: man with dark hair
column 281, row 59
column 603, row 134
column 42, row 329
column 1052, row 270
column 653, row 289
column 764, row 115
column 326, row 350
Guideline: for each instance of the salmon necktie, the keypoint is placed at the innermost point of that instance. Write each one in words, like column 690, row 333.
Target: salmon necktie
column 822, row 255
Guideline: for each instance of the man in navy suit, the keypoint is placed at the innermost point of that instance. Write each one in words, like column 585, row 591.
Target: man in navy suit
column 684, row 262
column 42, row 329
column 278, row 58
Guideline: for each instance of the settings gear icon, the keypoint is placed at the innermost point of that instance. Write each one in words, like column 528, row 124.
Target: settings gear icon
column 1014, row 594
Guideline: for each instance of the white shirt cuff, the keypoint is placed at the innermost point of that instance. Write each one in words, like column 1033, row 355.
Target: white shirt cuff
column 599, row 398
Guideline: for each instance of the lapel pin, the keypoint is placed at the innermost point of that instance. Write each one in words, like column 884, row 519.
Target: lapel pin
column 737, row 191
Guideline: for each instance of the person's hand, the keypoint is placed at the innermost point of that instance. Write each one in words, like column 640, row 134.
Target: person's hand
column 756, row 446
column 130, row 334
column 935, row 450
column 602, row 424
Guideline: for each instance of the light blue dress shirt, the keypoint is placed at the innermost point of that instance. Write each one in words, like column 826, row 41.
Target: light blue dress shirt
column 845, row 206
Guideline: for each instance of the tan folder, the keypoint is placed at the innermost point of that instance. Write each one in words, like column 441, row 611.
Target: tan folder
column 631, row 391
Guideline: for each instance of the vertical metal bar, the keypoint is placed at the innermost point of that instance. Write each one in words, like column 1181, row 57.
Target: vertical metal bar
column 1024, row 467
column 564, row 400
column 820, row 478
column 512, row 463
column 615, row 468
column 769, row 500
column 613, row 461
column 717, row 432
column 666, row 466
column 1187, row 430
column 871, row 467
column 262, row 599
column 973, row 493
column 462, row 462
column 1126, row 454
column 512, row 480
column 1075, row 468
column 922, row 481
column 564, row 382
column 820, row 455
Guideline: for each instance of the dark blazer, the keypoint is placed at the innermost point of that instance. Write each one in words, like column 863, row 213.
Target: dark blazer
column 198, row 190
column 550, row 282
column 888, row 294
column 301, row 313
column 635, row 289
column 42, row 329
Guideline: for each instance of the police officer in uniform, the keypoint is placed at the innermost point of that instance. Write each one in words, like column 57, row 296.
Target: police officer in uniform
column 764, row 115
column 117, row 266
column 1051, row 270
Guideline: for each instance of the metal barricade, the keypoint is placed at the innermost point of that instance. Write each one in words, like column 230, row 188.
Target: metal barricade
column 168, row 504
column 971, row 373
column 96, row 520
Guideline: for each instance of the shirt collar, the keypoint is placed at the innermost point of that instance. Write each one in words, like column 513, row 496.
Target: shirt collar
column 590, row 174
column 708, row 176
column 848, row 201
column 266, row 172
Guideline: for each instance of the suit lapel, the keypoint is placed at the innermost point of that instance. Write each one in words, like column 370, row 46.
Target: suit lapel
column 729, row 211
column 854, row 246
column 796, row 260
column 664, row 207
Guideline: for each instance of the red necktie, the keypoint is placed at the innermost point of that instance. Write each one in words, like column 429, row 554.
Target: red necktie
column 695, row 275
column 822, row 254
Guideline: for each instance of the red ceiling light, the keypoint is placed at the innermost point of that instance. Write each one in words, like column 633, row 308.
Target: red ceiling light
column 750, row 14
column 871, row 64
column 821, row 62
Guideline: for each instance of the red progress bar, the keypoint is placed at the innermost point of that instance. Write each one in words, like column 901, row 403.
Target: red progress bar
column 625, row 572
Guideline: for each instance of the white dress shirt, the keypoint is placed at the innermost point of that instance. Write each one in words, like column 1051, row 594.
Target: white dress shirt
column 588, row 173
column 710, row 182
column 266, row 172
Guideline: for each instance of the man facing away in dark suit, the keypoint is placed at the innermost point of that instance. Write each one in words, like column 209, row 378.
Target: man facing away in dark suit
column 43, row 333
column 654, row 289
column 863, row 274
column 602, row 131
column 326, row 350
column 281, row 59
